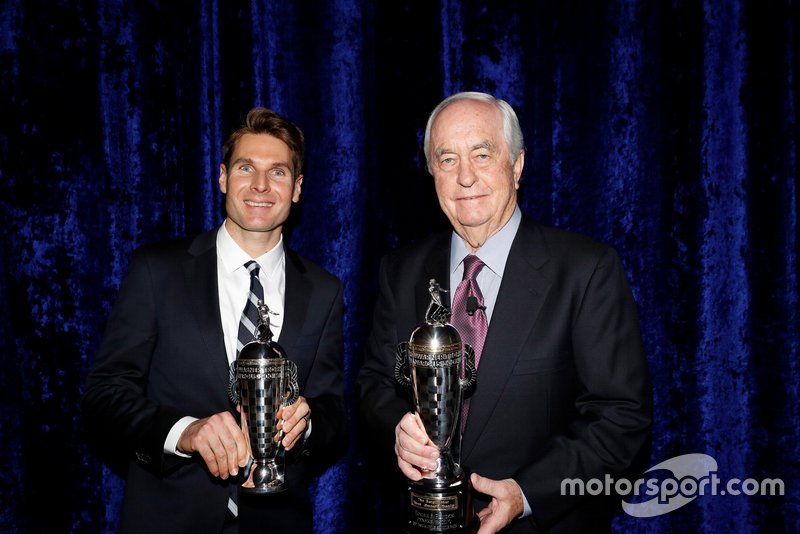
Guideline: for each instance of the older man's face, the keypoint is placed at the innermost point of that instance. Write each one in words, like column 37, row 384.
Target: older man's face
column 469, row 159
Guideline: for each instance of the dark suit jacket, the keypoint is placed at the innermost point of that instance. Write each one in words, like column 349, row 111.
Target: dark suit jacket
column 563, row 388
column 163, row 358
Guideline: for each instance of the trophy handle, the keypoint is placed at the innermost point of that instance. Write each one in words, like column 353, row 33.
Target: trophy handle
column 401, row 371
column 234, row 392
column 292, row 388
column 470, row 374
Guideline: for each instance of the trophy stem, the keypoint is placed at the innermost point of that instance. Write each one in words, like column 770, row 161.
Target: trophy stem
column 430, row 363
column 446, row 469
column 267, row 478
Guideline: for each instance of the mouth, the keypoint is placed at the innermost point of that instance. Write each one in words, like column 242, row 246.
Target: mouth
column 255, row 204
column 472, row 197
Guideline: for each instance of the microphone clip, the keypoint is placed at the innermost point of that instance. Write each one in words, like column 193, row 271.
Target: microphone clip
column 473, row 306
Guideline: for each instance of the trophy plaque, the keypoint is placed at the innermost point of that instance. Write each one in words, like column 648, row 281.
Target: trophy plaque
column 263, row 381
column 430, row 363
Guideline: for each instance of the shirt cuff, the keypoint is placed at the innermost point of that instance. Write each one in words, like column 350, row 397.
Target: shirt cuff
column 171, row 443
column 526, row 508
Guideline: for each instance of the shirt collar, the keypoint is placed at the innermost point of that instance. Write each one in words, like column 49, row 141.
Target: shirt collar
column 494, row 252
column 233, row 257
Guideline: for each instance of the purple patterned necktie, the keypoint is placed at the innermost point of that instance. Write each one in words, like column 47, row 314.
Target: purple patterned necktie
column 471, row 326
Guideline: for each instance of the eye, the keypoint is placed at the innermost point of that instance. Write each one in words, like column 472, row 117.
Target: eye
column 279, row 172
column 447, row 162
column 246, row 167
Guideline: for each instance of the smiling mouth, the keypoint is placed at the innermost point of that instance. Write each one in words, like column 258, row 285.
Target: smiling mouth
column 259, row 204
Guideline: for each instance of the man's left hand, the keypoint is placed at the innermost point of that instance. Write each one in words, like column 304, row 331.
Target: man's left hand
column 293, row 422
column 506, row 504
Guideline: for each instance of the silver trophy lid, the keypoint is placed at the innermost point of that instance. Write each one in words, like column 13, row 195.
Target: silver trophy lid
column 436, row 333
column 262, row 345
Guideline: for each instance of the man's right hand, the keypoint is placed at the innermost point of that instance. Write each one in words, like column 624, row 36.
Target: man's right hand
column 416, row 453
column 219, row 441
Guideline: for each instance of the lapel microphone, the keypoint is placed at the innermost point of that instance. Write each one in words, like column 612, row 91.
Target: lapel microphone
column 472, row 305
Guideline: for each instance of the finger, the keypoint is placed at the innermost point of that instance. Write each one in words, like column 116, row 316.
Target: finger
column 300, row 405
column 226, row 451
column 410, row 471
column 208, row 456
column 235, row 441
column 412, row 437
column 423, row 466
column 206, row 442
column 296, row 414
column 483, row 485
column 290, row 438
column 412, row 425
column 243, row 445
column 296, row 422
column 416, row 453
column 228, row 444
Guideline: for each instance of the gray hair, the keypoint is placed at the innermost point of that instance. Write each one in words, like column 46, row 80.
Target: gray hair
column 511, row 129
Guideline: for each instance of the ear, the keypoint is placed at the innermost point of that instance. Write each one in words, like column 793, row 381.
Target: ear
column 298, row 186
column 518, row 166
column 223, row 179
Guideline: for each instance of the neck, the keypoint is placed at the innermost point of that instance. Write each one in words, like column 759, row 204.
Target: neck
column 476, row 236
column 255, row 244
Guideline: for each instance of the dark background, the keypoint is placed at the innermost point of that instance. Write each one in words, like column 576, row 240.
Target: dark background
column 665, row 129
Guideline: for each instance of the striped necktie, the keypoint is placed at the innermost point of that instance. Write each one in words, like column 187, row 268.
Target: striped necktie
column 249, row 320
column 247, row 329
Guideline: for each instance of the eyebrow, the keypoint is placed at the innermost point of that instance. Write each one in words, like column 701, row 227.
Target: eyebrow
column 487, row 145
column 439, row 151
column 274, row 164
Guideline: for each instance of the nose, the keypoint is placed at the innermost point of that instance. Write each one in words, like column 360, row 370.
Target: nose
column 466, row 175
column 260, row 183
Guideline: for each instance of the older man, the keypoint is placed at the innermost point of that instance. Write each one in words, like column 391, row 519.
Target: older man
column 563, row 389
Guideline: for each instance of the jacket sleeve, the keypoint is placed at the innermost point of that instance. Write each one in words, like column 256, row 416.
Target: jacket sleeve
column 325, row 391
column 115, row 408
column 614, row 408
column 381, row 404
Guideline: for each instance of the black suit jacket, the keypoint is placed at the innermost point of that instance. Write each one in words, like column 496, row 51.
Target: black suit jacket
column 163, row 358
column 563, row 388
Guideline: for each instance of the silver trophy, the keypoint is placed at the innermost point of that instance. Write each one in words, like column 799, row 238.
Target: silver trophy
column 431, row 364
column 263, row 381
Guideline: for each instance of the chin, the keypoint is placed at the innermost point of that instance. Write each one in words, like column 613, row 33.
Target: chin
column 473, row 221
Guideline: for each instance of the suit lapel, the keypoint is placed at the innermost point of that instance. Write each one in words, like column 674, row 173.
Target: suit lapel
column 522, row 292
column 296, row 300
column 200, row 273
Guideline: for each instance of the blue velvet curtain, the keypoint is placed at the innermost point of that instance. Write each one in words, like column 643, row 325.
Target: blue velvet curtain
column 666, row 129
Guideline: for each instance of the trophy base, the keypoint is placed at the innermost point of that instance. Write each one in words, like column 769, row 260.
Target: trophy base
column 276, row 486
column 440, row 507
column 267, row 478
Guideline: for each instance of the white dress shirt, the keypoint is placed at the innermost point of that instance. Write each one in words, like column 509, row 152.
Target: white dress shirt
column 494, row 253
column 233, row 281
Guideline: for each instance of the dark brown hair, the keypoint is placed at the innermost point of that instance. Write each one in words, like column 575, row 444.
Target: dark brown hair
column 265, row 121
